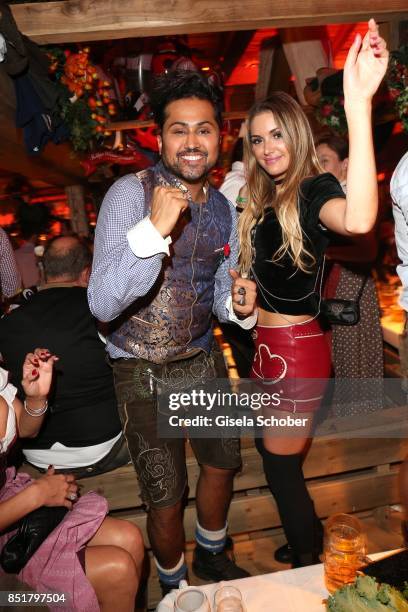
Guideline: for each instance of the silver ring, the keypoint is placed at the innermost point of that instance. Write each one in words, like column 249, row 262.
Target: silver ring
column 242, row 291
column 241, row 301
column 72, row 497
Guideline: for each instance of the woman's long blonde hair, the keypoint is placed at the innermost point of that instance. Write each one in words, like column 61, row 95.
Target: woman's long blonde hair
column 303, row 162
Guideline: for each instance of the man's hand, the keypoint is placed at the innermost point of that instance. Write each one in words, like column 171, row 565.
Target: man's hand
column 167, row 205
column 243, row 293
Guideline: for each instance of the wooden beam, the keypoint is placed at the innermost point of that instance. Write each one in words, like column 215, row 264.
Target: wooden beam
column 233, row 50
column 395, row 33
column 279, row 78
column 76, row 203
column 267, row 53
column 403, row 32
column 86, row 20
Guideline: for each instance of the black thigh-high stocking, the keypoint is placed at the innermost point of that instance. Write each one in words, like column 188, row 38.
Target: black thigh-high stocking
column 302, row 527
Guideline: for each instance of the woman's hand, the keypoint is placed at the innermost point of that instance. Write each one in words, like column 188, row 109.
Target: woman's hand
column 365, row 66
column 57, row 489
column 37, row 373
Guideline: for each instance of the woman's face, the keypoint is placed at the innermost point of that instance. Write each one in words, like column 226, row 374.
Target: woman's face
column 330, row 162
column 268, row 146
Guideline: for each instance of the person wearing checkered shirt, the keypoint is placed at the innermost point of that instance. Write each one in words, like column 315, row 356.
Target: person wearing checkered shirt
column 10, row 279
column 165, row 244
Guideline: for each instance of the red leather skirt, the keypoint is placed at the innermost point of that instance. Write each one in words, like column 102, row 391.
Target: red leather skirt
column 293, row 360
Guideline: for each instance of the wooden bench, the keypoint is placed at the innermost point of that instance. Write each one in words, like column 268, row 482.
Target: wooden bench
column 352, row 466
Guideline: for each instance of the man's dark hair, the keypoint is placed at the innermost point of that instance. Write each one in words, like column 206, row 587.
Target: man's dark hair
column 336, row 143
column 181, row 84
column 67, row 261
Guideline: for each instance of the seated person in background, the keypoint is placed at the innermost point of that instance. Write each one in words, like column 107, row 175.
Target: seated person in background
column 82, row 430
column 94, row 561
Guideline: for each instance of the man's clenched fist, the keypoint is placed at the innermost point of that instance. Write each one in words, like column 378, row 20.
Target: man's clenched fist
column 167, row 205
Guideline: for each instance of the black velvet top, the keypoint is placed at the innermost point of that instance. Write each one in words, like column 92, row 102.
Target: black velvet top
column 282, row 287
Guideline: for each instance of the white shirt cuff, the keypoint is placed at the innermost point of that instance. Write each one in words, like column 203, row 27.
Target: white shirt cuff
column 247, row 323
column 145, row 240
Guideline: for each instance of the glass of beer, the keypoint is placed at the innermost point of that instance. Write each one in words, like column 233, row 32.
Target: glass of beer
column 344, row 550
column 228, row 599
column 191, row 600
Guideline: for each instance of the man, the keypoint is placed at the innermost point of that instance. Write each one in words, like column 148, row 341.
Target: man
column 161, row 264
column 399, row 195
column 82, row 432
column 10, row 280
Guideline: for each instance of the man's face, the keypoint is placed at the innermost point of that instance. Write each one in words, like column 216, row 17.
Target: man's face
column 189, row 142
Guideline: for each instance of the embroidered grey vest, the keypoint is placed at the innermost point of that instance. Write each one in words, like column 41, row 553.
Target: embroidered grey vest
column 175, row 315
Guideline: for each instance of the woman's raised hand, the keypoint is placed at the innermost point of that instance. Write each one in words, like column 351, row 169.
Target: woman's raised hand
column 365, row 66
column 37, row 373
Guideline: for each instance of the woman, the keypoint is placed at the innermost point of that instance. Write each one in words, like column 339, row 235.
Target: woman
column 94, row 561
column 356, row 349
column 283, row 232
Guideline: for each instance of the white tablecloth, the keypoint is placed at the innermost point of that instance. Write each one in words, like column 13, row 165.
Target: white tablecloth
column 297, row 590
column 290, row 591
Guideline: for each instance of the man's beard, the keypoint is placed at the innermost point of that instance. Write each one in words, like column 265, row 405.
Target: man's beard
column 190, row 175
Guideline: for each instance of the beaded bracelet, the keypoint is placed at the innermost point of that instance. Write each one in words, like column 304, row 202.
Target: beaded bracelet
column 241, row 200
column 36, row 413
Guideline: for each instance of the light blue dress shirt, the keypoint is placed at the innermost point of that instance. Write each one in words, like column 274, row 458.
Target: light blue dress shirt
column 399, row 194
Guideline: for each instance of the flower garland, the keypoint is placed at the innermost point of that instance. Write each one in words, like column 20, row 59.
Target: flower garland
column 330, row 112
column 88, row 106
column 397, row 81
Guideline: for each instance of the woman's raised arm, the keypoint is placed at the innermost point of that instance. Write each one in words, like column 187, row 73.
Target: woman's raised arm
column 37, row 379
column 364, row 70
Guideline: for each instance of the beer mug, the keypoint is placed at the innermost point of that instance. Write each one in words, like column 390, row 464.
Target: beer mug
column 191, row 600
column 344, row 550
